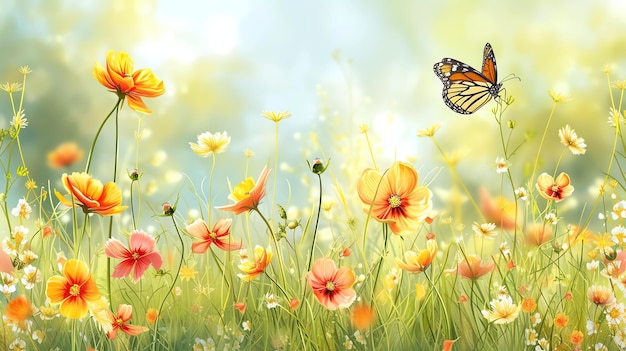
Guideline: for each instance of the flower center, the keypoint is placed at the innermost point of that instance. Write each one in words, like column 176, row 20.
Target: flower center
column 395, row 201
column 330, row 286
column 213, row 235
column 135, row 256
column 119, row 321
column 555, row 188
column 75, row 290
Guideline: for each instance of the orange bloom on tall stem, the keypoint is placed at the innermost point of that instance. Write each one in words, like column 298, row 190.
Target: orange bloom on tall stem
column 418, row 262
column 331, row 286
column 18, row 311
column 247, row 194
column 73, row 290
column 217, row 236
column 251, row 269
column 64, row 155
column 118, row 77
column 472, row 267
column 551, row 189
column 394, row 197
column 120, row 322
column 91, row 195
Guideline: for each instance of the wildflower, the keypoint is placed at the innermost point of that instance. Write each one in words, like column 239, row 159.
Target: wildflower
column 187, row 273
column 447, row 345
column 217, row 236
column 569, row 138
column 537, row 234
column 331, row 286
column 542, row 345
column 276, row 116
column 101, row 314
column 472, row 267
column 521, row 193
column 178, row 291
column 38, row 336
column 120, row 322
column 462, row 298
column 91, row 195
column 601, row 295
column 247, row 326
column 17, row 345
column 593, row 265
column 528, row 304
column 551, row 218
column 535, row 319
column 345, row 253
column 247, row 195
column 556, row 190
column 19, row 120
column 251, row 269
column 119, row 78
column 561, row 320
column 151, row 315
column 499, row 211
column 394, row 197
column 31, row 277
column 73, row 290
column 503, row 311
column 576, row 234
column 576, row 337
column 502, row 165
column 348, row 344
column 420, row 291
column 558, row 97
column 293, row 303
column 615, row 314
column 531, row 337
column 600, row 347
column 392, row 278
column 485, row 230
column 429, row 131
column 360, row 338
column 618, row 234
column 363, row 316
column 241, row 306
column 18, row 311
column 22, row 210
column 209, row 144
column 271, row 300
column 11, row 87
column 418, row 262
column 138, row 257
column 615, row 117
column 47, row 313
column 64, row 155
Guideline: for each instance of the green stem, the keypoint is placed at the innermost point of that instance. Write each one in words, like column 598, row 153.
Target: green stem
column 93, row 144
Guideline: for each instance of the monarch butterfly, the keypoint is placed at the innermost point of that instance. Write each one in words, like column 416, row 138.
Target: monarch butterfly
column 465, row 89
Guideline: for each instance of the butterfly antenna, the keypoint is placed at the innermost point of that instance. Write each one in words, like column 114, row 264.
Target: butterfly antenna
column 511, row 76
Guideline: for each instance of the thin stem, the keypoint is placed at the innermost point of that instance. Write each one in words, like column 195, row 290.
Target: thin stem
column 93, row 144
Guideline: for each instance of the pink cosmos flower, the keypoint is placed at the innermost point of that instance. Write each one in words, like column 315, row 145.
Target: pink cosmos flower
column 141, row 254
column 217, row 236
column 120, row 322
column 331, row 286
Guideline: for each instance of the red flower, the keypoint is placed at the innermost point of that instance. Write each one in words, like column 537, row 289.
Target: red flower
column 141, row 254
column 221, row 229
column 120, row 322
column 331, row 286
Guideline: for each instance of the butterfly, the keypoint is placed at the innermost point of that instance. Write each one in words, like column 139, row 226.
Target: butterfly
column 466, row 89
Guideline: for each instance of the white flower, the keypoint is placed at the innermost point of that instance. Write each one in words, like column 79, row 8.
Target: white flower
column 593, row 265
column 551, row 218
column 592, row 327
column 271, row 300
column 502, row 165
column 618, row 234
column 521, row 193
column 246, row 325
column 22, row 209
column 31, row 277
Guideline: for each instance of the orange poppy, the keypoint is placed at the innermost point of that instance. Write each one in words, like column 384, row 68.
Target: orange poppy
column 394, row 197
column 551, row 189
column 247, row 195
column 472, row 267
column 418, row 262
column 73, row 290
column 118, row 77
column 64, row 155
column 251, row 269
column 91, row 195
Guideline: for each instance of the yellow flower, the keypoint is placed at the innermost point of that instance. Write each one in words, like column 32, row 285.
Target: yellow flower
column 11, row 87
column 25, row 70
column 91, row 195
column 569, row 138
column 276, row 116
column 620, row 84
column 558, row 97
column 74, row 290
column 429, row 131
column 418, row 262
column 503, row 311
column 187, row 273
column 209, row 143
column 251, row 269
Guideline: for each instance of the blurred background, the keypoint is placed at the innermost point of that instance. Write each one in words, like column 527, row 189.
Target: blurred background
column 334, row 65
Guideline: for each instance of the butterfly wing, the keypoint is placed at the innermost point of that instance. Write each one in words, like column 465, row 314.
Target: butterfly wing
column 465, row 89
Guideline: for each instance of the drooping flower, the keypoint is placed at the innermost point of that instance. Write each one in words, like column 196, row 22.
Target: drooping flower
column 210, row 143
column 472, row 267
column 417, row 262
column 247, row 194
column 120, row 322
column 91, row 195
column 569, row 138
column 137, row 258
column 394, row 197
column 18, row 311
column 73, row 290
column 251, row 269
column 503, row 310
column 217, row 236
column 331, row 286
column 64, row 155
column 118, row 77
column 551, row 189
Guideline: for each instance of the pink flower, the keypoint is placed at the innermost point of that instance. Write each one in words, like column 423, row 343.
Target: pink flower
column 472, row 267
column 217, row 236
column 139, row 257
column 331, row 286
column 120, row 322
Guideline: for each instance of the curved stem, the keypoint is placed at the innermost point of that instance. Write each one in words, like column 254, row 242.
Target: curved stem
column 93, row 144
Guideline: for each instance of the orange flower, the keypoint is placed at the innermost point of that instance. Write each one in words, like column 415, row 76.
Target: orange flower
column 528, row 304
column 74, row 290
column 537, row 234
column 561, row 320
column 576, row 337
column 120, row 322
column 394, row 197
column 119, row 78
column 18, row 311
column 247, row 195
column 64, row 155
column 363, row 316
column 151, row 315
column 447, row 345
column 89, row 194
column 241, row 306
column 499, row 211
column 472, row 267
column 293, row 303
column 556, row 190
column 331, row 286
column 251, row 270
column 417, row 262
column 575, row 235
